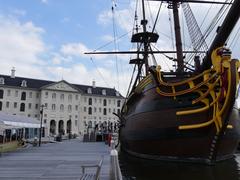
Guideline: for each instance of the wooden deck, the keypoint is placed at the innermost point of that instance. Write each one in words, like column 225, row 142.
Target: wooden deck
column 54, row 161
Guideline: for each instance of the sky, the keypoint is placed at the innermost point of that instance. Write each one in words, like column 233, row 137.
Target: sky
column 46, row 39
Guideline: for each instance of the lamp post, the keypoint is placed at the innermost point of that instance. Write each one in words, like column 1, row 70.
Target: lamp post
column 40, row 129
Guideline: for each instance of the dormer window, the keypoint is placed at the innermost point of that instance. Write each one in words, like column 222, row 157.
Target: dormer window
column 24, row 83
column 89, row 90
column 1, row 80
column 104, row 92
column 117, row 93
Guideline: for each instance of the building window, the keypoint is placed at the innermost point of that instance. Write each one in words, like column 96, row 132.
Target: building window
column 89, row 110
column 0, row 105
column 90, row 101
column 46, row 94
column 104, row 102
column 22, row 107
column 75, row 122
column 8, row 92
column 16, row 93
column 29, row 105
column 117, row 93
column 118, row 111
column 7, row 104
column 45, row 121
column 24, row 83
column 114, row 110
column 1, row 93
column 104, row 92
column 76, row 116
column 69, row 108
column 37, row 95
column 76, row 97
column 84, row 109
column 104, row 111
column 61, row 107
column 15, row 104
column 53, row 107
column 23, row 96
column 85, row 99
column 118, row 103
column 36, row 106
column 30, row 94
column 70, row 98
column 109, row 110
column 89, row 90
column 100, row 109
column 62, row 97
column 1, row 80
column 29, row 115
column 76, row 107
column 53, row 95
column 46, row 105
column 95, row 109
column 100, row 101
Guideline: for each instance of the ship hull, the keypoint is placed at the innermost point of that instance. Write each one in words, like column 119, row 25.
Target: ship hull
column 166, row 142
column 151, row 127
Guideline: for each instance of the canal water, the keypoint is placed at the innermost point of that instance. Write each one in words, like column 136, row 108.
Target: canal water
column 139, row 169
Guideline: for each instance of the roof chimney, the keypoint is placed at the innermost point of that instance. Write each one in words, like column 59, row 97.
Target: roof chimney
column 94, row 84
column 13, row 72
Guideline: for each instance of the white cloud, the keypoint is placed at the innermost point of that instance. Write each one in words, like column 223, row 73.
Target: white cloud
column 22, row 45
column 74, row 49
column 107, row 38
column 44, row 1
column 65, row 20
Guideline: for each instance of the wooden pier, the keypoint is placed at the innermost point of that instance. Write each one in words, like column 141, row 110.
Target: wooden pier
column 55, row 161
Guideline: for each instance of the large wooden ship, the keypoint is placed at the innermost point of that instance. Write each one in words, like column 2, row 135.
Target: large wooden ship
column 183, row 115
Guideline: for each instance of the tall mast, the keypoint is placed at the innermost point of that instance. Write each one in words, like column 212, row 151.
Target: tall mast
column 174, row 5
column 144, row 24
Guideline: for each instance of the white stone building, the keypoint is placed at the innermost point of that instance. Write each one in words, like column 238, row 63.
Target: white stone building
column 68, row 108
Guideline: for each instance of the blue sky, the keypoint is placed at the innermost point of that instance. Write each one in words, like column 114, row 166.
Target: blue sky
column 46, row 39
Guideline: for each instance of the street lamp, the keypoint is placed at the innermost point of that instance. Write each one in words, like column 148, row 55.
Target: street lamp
column 40, row 129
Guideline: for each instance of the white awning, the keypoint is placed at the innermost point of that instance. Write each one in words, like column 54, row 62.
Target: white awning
column 16, row 121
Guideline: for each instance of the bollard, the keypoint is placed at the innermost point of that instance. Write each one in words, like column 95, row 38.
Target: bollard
column 115, row 172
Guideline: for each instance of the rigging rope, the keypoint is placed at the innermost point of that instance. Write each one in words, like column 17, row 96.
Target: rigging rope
column 114, row 36
column 99, row 72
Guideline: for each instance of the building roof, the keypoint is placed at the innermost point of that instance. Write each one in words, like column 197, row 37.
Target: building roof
column 38, row 84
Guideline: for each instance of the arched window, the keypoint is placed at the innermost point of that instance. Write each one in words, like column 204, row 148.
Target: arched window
column 104, row 111
column 90, row 101
column 24, row 83
column 23, row 96
column 22, row 107
column 104, row 102
column 118, row 103
column 1, row 93
column 61, row 107
column 89, row 90
column 53, row 95
column 1, row 80
column 89, row 110
column 62, row 97
column 104, row 92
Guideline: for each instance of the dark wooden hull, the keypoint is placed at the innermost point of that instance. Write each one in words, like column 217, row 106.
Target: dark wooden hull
column 150, row 129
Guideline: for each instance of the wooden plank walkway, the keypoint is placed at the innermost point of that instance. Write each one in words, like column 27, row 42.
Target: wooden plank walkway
column 54, row 161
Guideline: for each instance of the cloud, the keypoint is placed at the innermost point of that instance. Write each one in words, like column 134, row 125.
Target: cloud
column 44, row 1
column 65, row 20
column 22, row 43
column 74, row 49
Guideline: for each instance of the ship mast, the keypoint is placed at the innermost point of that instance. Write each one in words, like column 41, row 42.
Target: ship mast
column 174, row 5
column 144, row 24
